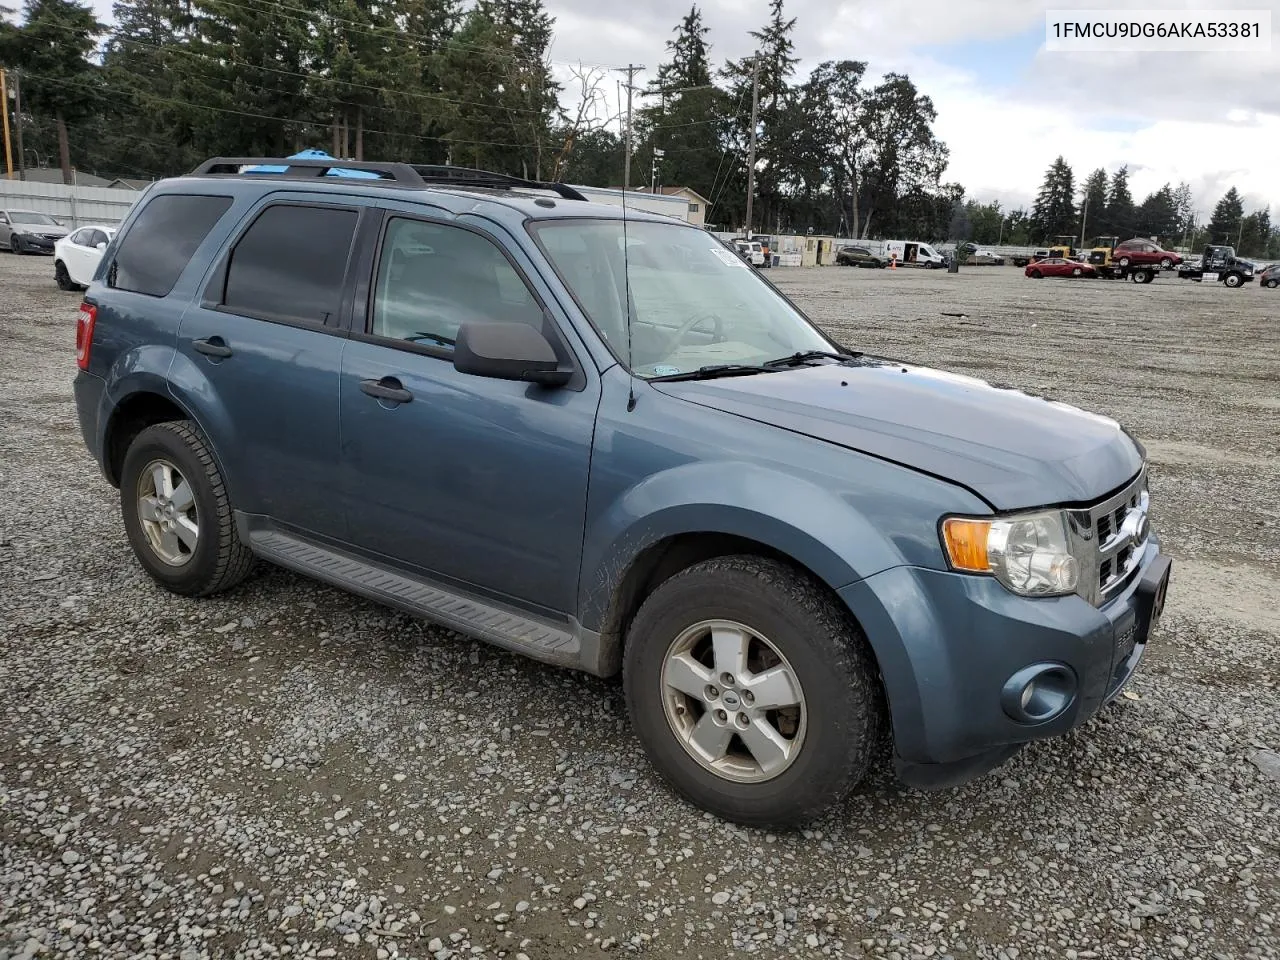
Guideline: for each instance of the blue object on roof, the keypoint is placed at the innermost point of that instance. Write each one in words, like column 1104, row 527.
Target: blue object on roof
column 315, row 155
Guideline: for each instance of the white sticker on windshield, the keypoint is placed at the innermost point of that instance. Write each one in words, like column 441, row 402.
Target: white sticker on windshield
column 727, row 258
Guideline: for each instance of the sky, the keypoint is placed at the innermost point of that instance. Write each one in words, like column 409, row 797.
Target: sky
column 1006, row 106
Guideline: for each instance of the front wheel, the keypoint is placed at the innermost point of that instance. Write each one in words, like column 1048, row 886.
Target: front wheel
column 1233, row 280
column 1166, row 264
column 177, row 514
column 61, row 275
column 753, row 692
column 1036, row 275
column 1077, row 272
column 1271, row 283
column 1123, row 261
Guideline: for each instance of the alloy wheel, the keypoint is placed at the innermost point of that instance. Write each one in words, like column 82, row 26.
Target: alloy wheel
column 733, row 701
column 167, row 512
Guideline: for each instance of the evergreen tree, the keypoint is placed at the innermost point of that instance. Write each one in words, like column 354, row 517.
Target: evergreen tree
column 1224, row 227
column 52, row 47
column 776, row 119
column 1120, row 214
column 1054, row 212
column 1157, row 216
column 1254, row 234
column 1094, row 205
column 687, row 122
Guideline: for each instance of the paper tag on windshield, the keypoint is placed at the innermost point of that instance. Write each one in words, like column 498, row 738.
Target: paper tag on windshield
column 727, row 258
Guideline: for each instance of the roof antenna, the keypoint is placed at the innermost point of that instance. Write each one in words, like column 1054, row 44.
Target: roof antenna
column 630, row 70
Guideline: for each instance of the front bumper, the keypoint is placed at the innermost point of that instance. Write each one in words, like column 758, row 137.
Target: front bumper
column 30, row 244
column 950, row 644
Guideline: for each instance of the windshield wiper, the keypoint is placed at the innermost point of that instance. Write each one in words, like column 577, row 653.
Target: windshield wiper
column 714, row 371
column 442, row 340
column 804, row 356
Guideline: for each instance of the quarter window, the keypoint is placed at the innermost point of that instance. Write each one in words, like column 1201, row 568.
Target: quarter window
column 291, row 263
column 161, row 242
column 433, row 278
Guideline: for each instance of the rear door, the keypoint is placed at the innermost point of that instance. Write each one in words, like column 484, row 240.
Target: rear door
column 479, row 481
column 263, row 347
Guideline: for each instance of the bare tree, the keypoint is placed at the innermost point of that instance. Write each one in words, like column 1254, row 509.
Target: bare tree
column 590, row 115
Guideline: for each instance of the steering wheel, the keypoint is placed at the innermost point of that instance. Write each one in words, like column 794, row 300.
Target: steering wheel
column 717, row 329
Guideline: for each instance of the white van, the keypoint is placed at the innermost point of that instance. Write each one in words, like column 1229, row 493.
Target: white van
column 915, row 253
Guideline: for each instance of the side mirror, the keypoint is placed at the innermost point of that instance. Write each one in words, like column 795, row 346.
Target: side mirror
column 508, row 351
column 102, row 245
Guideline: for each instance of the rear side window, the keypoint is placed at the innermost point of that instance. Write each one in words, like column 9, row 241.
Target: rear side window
column 162, row 240
column 290, row 264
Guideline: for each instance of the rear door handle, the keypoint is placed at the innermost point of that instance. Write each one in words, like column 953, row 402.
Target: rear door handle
column 388, row 388
column 212, row 347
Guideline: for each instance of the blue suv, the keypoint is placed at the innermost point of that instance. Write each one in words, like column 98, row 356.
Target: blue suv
column 596, row 437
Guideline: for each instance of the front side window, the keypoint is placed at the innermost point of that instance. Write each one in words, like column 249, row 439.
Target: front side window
column 291, row 264
column 693, row 303
column 433, row 278
column 162, row 240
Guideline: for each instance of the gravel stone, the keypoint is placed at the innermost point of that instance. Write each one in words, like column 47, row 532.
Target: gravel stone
column 347, row 769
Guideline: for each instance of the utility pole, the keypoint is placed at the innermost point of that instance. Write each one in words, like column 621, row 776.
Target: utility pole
column 4, row 108
column 1084, row 218
column 751, row 157
column 17, row 122
column 1240, row 235
column 630, row 70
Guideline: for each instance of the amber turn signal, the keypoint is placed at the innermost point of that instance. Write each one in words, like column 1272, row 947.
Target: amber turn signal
column 966, row 543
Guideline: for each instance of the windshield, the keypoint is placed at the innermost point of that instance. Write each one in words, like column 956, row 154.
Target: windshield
column 694, row 303
column 25, row 216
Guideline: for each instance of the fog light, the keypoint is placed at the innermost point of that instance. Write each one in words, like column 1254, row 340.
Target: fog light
column 1039, row 693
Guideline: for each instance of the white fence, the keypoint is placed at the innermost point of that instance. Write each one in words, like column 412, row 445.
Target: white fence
column 73, row 205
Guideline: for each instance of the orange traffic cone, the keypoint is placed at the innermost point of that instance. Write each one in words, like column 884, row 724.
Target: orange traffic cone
column 893, row 261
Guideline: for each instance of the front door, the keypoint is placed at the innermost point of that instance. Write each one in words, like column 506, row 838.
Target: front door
column 470, row 479
column 264, row 344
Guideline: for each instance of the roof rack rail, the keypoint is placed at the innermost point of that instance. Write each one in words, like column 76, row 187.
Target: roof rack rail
column 471, row 177
column 400, row 173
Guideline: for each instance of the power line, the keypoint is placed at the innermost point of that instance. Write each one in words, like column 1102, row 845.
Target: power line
column 277, row 119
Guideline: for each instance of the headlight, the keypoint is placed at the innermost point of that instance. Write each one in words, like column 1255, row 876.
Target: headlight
column 1029, row 554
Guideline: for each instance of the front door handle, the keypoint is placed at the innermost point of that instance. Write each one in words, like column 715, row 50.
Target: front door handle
column 212, row 347
column 388, row 388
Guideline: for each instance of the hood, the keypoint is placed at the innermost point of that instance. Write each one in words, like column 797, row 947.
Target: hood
column 1012, row 449
column 42, row 229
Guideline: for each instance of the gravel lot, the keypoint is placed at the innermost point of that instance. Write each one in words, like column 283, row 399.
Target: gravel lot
column 288, row 770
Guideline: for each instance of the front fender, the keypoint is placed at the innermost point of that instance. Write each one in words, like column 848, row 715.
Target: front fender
column 797, row 518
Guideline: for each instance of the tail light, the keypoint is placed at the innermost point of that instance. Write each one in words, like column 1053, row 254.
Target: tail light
column 84, row 333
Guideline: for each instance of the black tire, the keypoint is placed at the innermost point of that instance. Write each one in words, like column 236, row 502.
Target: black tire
column 1271, row 284
column 1166, row 264
column 1036, row 275
column 219, row 560
column 64, row 279
column 1077, row 272
column 1123, row 261
column 832, row 663
column 1233, row 280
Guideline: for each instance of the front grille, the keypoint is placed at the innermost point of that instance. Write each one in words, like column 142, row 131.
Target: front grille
column 1118, row 530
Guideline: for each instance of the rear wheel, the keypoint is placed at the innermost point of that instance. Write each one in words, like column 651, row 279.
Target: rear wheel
column 754, row 693
column 177, row 514
column 63, row 277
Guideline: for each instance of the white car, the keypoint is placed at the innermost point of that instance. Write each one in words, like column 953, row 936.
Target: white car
column 76, row 256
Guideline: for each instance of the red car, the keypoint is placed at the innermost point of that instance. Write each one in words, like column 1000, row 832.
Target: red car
column 1057, row 267
column 1138, row 251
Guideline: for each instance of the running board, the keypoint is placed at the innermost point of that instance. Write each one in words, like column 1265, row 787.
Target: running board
column 501, row 626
